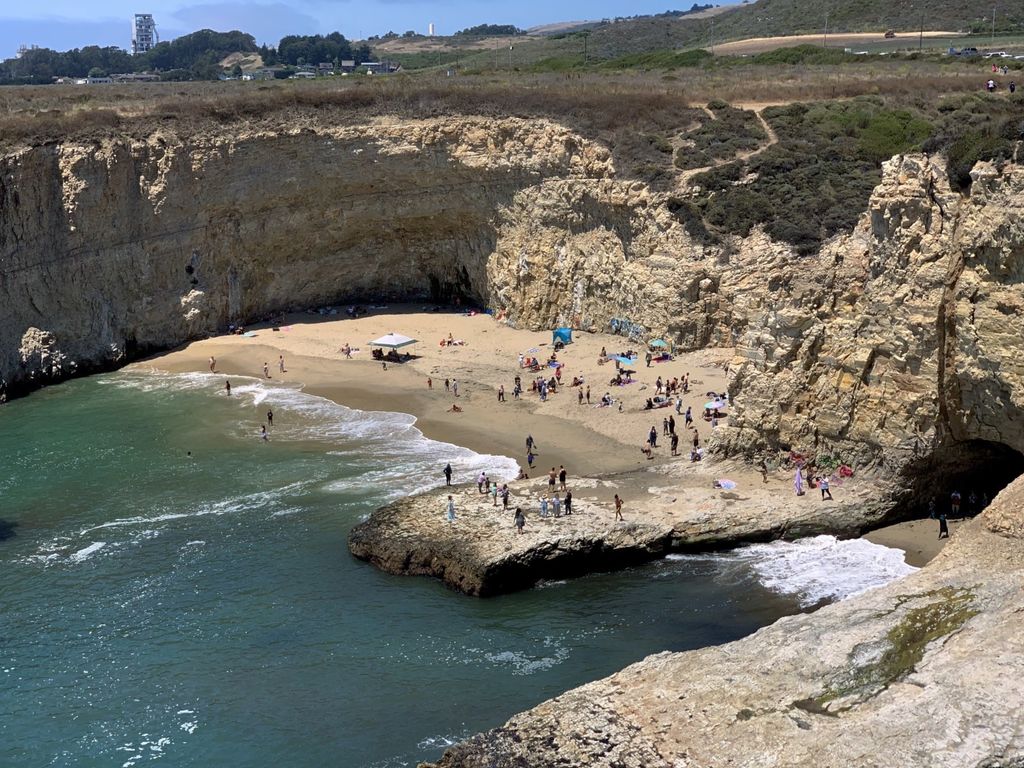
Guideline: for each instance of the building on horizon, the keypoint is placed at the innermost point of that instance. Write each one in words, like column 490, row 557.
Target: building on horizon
column 430, row 29
column 144, row 35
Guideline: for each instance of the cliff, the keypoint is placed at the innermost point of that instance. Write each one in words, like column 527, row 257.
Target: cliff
column 925, row 672
column 894, row 348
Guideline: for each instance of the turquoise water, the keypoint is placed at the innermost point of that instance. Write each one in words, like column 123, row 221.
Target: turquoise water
column 204, row 610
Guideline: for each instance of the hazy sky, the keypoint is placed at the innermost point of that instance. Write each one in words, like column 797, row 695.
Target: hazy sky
column 63, row 24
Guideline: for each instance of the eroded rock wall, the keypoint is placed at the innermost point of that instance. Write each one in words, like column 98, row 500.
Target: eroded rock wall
column 117, row 247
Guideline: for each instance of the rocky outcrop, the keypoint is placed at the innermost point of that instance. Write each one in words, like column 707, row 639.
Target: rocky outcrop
column 899, row 348
column 925, row 672
column 481, row 554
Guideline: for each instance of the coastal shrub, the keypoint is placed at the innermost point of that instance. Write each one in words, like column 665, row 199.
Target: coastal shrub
column 692, row 218
column 731, row 132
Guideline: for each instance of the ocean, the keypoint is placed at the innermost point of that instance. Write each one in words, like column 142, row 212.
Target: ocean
column 175, row 589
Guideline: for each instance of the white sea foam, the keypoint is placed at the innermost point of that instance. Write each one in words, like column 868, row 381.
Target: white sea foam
column 441, row 742
column 822, row 567
column 87, row 552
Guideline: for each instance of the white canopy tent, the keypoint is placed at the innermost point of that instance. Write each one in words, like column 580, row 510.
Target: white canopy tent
column 392, row 341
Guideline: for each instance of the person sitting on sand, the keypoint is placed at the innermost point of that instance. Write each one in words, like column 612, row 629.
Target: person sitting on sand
column 522, row 475
column 645, row 449
column 606, row 400
column 455, row 409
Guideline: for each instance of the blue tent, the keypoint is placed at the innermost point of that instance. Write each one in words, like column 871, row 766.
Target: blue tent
column 563, row 335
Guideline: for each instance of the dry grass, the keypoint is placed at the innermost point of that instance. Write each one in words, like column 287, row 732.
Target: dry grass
column 593, row 103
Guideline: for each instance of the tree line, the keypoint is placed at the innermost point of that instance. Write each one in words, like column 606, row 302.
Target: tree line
column 195, row 56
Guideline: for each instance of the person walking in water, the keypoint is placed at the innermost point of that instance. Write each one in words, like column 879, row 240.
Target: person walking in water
column 451, row 510
column 270, row 418
column 529, row 458
column 447, row 474
column 263, row 432
column 227, row 387
column 618, row 508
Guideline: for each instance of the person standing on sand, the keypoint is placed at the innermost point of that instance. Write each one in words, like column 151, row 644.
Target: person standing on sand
column 675, row 444
column 618, row 508
column 266, row 370
column 504, row 496
column 501, row 393
column 579, row 396
column 494, row 493
column 227, row 387
column 280, row 364
column 568, row 502
column 943, row 527
column 561, row 476
column 823, row 484
column 543, row 506
column 480, row 480
column 520, row 520
column 551, row 479
column 588, row 394
column 430, row 383
column 689, row 417
column 664, row 427
column 270, row 418
column 653, row 437
column 455, row 387
column 451, row 510
column 648, row 357
column 529, row 458
column 213, row 364
column 671, row 424
column 448, row 474
column 530, row 444
column 447, row 385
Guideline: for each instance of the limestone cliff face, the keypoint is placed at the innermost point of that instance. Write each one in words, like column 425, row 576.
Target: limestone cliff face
column 926, row 672
column 898, row 346
column 110, row 249
column 895, row 347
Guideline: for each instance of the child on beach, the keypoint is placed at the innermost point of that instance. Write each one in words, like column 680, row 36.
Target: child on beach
column 520, row 520
column 451, row 510
column 494, row 493
column 618, row 508
column 543, row 506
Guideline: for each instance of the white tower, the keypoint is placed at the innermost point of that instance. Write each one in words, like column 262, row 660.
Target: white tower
column 430, row 29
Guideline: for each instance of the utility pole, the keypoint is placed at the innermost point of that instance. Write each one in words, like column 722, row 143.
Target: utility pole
column 712, row 34
column 510, row 47
column 920, row 40
column 586, row 35
column 495, row 55
column 992, row 42
column 824, row 42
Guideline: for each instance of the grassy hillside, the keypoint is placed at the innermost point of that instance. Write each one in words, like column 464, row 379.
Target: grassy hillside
column 653, row 34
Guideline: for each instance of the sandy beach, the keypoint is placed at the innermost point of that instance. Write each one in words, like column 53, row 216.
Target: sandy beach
column 599, row 446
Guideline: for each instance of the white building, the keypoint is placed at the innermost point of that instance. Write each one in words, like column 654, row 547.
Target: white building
column 144, row 35
column 430, row 29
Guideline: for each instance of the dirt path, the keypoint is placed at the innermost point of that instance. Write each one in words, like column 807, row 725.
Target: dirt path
column 773, row 139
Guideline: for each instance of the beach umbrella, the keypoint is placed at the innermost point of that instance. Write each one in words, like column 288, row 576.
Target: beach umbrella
column 392, row 341
column 714, row 405
column 657, row 343
column 727, row 484
column 624, row 360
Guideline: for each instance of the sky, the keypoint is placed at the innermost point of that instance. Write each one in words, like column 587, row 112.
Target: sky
column 64, row 24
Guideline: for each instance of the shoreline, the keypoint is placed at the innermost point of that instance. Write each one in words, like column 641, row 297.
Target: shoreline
column 598, row 446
